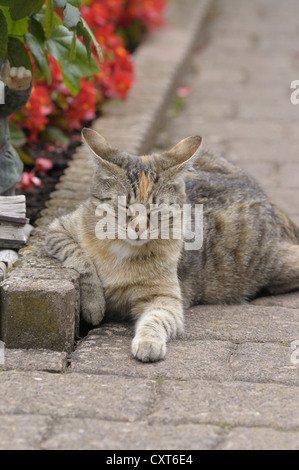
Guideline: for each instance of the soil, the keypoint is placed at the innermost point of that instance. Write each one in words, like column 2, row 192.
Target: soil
column 36, row 198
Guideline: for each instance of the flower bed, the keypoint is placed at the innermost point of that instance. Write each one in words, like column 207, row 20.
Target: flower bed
column 49, row 121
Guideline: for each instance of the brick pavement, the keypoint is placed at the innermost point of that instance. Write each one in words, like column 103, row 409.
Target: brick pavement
column 229, row 383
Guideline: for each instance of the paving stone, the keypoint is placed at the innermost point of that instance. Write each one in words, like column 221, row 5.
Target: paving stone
column 227, row 404
column 69, row 204
column 54, row 212
column 269, row 150
column 290, row 300
column 259, row 439
column 240, row 323
column 23, row 432
column 228, row 130
column 75, row 396
column 266, row 362
column 103, row 354
column 35, row 359
column 77, row 195
column 38, row 313
column 89, row 434
column 285, row 198
column 288, row 175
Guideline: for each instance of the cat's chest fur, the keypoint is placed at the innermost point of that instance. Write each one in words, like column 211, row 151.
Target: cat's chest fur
column 127, row 278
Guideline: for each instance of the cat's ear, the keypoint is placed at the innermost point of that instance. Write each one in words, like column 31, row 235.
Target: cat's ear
column 100, row 148
column 181, row 154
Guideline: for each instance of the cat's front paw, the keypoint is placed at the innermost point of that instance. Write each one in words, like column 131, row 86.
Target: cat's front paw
column 92, row 307
column 148, row 349
column 92, row 314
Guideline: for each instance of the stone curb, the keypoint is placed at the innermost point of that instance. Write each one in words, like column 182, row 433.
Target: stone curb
column 39, row 301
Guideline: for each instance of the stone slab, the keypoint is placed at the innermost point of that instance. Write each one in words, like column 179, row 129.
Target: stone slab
column 259, row 439
column 88, row 434
column 103, row 354
column 227, row 404
column 23, row 432
column 75, row 396
column 290, row 300
column 35, row 359
column 240, row 323
column 265, row 362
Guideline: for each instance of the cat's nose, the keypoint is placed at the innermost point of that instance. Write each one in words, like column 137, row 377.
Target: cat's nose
column 140, row 230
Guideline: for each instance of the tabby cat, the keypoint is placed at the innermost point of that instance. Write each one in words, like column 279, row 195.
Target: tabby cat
column 249, row 244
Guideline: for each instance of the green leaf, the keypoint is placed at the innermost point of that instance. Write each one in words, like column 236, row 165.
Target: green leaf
column 39, row 6
column 17, row 54
column 75, row 3
column 15, row 28
column 21, row 8
column 71, row 16
column 36, row 28
column 17, row 136
column 39, row 55
column 86, row 39
column 49, row 18
column 25, row 157
column 59, row 3
column 3, row 35
column 95, row 42
column 5, row 3
column 55, row 134
column 73, row 51
column 59, row 46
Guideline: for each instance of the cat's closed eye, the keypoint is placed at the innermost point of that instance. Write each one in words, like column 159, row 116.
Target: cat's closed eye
column 102, row 199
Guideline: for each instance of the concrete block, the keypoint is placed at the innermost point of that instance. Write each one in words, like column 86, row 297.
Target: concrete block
column 38, row 313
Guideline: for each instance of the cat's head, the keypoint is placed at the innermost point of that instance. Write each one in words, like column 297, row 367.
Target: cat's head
column 128, row 182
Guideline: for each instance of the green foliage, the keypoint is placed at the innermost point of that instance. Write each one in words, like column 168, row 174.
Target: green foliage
column 36, row 24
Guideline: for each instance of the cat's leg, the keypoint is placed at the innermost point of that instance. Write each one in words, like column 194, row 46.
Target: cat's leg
column 287, row 277
column 158, row 321
column 61, row 245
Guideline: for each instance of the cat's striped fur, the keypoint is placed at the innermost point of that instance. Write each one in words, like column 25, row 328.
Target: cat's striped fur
column 249, row 244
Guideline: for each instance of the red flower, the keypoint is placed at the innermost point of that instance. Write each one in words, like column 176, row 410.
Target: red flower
column 42, row 165
column 82, row 107
column 34, row 116
column 28, row 180
column 149, row 12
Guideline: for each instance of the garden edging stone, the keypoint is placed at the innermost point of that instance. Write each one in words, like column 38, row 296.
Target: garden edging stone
column 39, row 300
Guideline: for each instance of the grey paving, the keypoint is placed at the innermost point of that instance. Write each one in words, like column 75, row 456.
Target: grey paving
column 231, row 381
